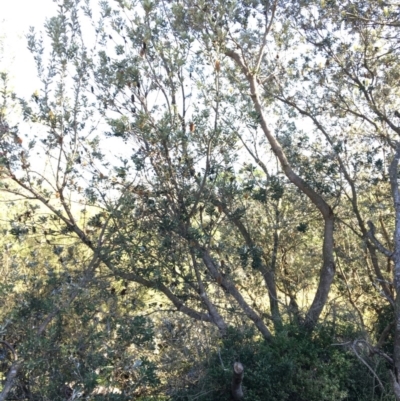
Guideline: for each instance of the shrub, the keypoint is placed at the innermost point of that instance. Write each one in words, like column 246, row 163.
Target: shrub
column 294, row 367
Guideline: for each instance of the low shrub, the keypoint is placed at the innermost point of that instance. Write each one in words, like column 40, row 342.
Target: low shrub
column 295, row 366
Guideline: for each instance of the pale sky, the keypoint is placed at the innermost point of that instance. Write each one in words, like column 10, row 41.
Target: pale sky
column 16, row 16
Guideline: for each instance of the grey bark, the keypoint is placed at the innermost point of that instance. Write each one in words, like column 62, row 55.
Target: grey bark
column 217, row 318
column 231, row 289
column 354, row 202
column 237, row 379
column 268, row 272
column 327, row 271
column 12, row 373
column 180, row 306
column 393, row 173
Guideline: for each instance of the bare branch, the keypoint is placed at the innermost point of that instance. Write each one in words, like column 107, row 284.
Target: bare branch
column 12, row 373
column 354, row 348
column 371, row 235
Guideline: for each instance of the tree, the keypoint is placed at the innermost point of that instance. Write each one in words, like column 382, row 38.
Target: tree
column 259, row 135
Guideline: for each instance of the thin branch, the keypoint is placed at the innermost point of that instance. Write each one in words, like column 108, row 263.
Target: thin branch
column 266, row 32
column 11, row 348
column 353, row 347
column 371, row 235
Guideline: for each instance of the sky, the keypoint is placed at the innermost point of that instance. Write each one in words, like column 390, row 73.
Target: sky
column 15, row 19
column 16, row 16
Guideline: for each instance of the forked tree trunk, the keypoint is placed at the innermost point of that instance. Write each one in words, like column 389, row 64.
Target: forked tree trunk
column 327, row 271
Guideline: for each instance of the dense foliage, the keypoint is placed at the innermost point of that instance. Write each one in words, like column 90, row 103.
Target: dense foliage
column 200, row 183
column 293, row 367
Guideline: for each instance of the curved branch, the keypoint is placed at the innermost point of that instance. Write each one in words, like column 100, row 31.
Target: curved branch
column 231, row 289
column 180, row 306
column 268, row 273
column 328, row 267
column 11, row 348
column 353, row 347
column 371, row 235
column 218, row 319
column 11, row 375
column 353, row 198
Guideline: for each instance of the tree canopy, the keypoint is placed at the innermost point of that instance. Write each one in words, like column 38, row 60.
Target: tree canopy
column 210, row 181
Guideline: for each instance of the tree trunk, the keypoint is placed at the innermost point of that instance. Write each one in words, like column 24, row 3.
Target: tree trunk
column 12, row 373
column 327, row 272
column 238, row 372
column 393, row 173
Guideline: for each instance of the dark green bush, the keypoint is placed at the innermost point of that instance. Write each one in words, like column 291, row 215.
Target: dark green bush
column 294, row 367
